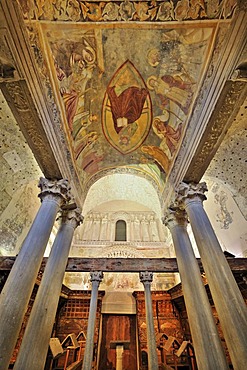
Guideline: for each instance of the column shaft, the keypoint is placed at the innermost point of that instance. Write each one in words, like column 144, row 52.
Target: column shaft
column 228, row 300
column 35, row 343
column 18, row 288
column 151, row 339
column 206, row 341
column 89, row 348
column 227, row 297
column 119, row 357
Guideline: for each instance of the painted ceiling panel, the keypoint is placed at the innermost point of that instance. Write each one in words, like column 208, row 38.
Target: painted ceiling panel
column 125, row 92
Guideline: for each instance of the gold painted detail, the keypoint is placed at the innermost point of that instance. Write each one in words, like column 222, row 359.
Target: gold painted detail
column 18, row 97
column 108, row 11
column 225, row 113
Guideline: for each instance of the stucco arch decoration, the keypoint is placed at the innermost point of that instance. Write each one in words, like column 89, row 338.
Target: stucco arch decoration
column 122, row 187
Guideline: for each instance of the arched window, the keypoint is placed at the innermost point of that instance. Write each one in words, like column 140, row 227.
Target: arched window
column 120, row 233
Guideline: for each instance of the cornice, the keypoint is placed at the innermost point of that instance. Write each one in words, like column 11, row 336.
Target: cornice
column 222, row 117
column 18, row 98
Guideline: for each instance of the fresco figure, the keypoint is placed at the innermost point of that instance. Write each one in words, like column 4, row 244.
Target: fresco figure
column 127, row 106
column 167, row 133
column 159, row 156
column 170, row 88
column 127, row 109
column 85, row 143
column 90, row 163
column 74, row 64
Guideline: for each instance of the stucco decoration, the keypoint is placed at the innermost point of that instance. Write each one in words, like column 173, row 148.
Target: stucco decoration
column 17, row 218
column 122, row 187
column 226, row 218
column 118, row 282
column 19, row 200
column 229, row 164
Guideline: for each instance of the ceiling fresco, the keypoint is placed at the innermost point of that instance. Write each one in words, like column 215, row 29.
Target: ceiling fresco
column 123, row 77
column 125, row 92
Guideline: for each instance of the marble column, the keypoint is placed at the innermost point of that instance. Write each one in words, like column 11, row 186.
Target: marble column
column 35, row 343
column 119, row 357
column 18, row 287
column 206, row 341
column 96, row 278
column 226, row 295
column 147, row 278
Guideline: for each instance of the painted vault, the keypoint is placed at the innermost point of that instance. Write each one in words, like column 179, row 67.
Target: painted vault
column 125, row 92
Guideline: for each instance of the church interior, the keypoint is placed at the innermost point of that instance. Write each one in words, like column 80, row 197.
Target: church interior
column 123, row 203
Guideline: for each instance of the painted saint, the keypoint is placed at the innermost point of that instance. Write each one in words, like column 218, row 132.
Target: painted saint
column 127, row 111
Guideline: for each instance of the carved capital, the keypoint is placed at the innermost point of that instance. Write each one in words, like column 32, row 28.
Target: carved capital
column 146, row 277
column 57, row 190
column 96, row 276
column 187, row 192
column 174, row 217
column 72, row 217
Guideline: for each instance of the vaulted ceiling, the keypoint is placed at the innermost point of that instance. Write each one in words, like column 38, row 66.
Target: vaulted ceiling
column 144, row 88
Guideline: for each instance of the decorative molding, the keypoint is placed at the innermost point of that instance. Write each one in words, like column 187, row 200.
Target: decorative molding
column 122, row 251
column 127, row 11
column 22, row 106
column 8, row 69
column 220, row 120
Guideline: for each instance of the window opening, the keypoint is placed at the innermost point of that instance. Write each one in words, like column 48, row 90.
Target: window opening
column 120, row 234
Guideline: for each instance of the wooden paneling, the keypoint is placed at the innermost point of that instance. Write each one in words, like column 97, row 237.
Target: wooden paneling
column 118, row 328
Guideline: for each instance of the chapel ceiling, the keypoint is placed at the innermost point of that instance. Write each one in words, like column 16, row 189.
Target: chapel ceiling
column 123, row 79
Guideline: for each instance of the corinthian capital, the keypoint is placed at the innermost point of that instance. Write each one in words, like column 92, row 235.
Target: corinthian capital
column 146, row 277
column 174, row 217
column 185, row 192
column 96, row 276
column 72, row 217
column 57, row 190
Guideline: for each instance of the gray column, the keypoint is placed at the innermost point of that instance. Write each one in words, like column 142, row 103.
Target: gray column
column 18, row 288
column 146, row 278
column 227, row 297
column 206, row 341
column 96, row 278
column 35, row 343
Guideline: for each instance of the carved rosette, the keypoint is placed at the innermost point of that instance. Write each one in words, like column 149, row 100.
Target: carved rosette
column 187, row 192
column 56, row 190
column 146, row 277
column 72, row 217
column 175, row 217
